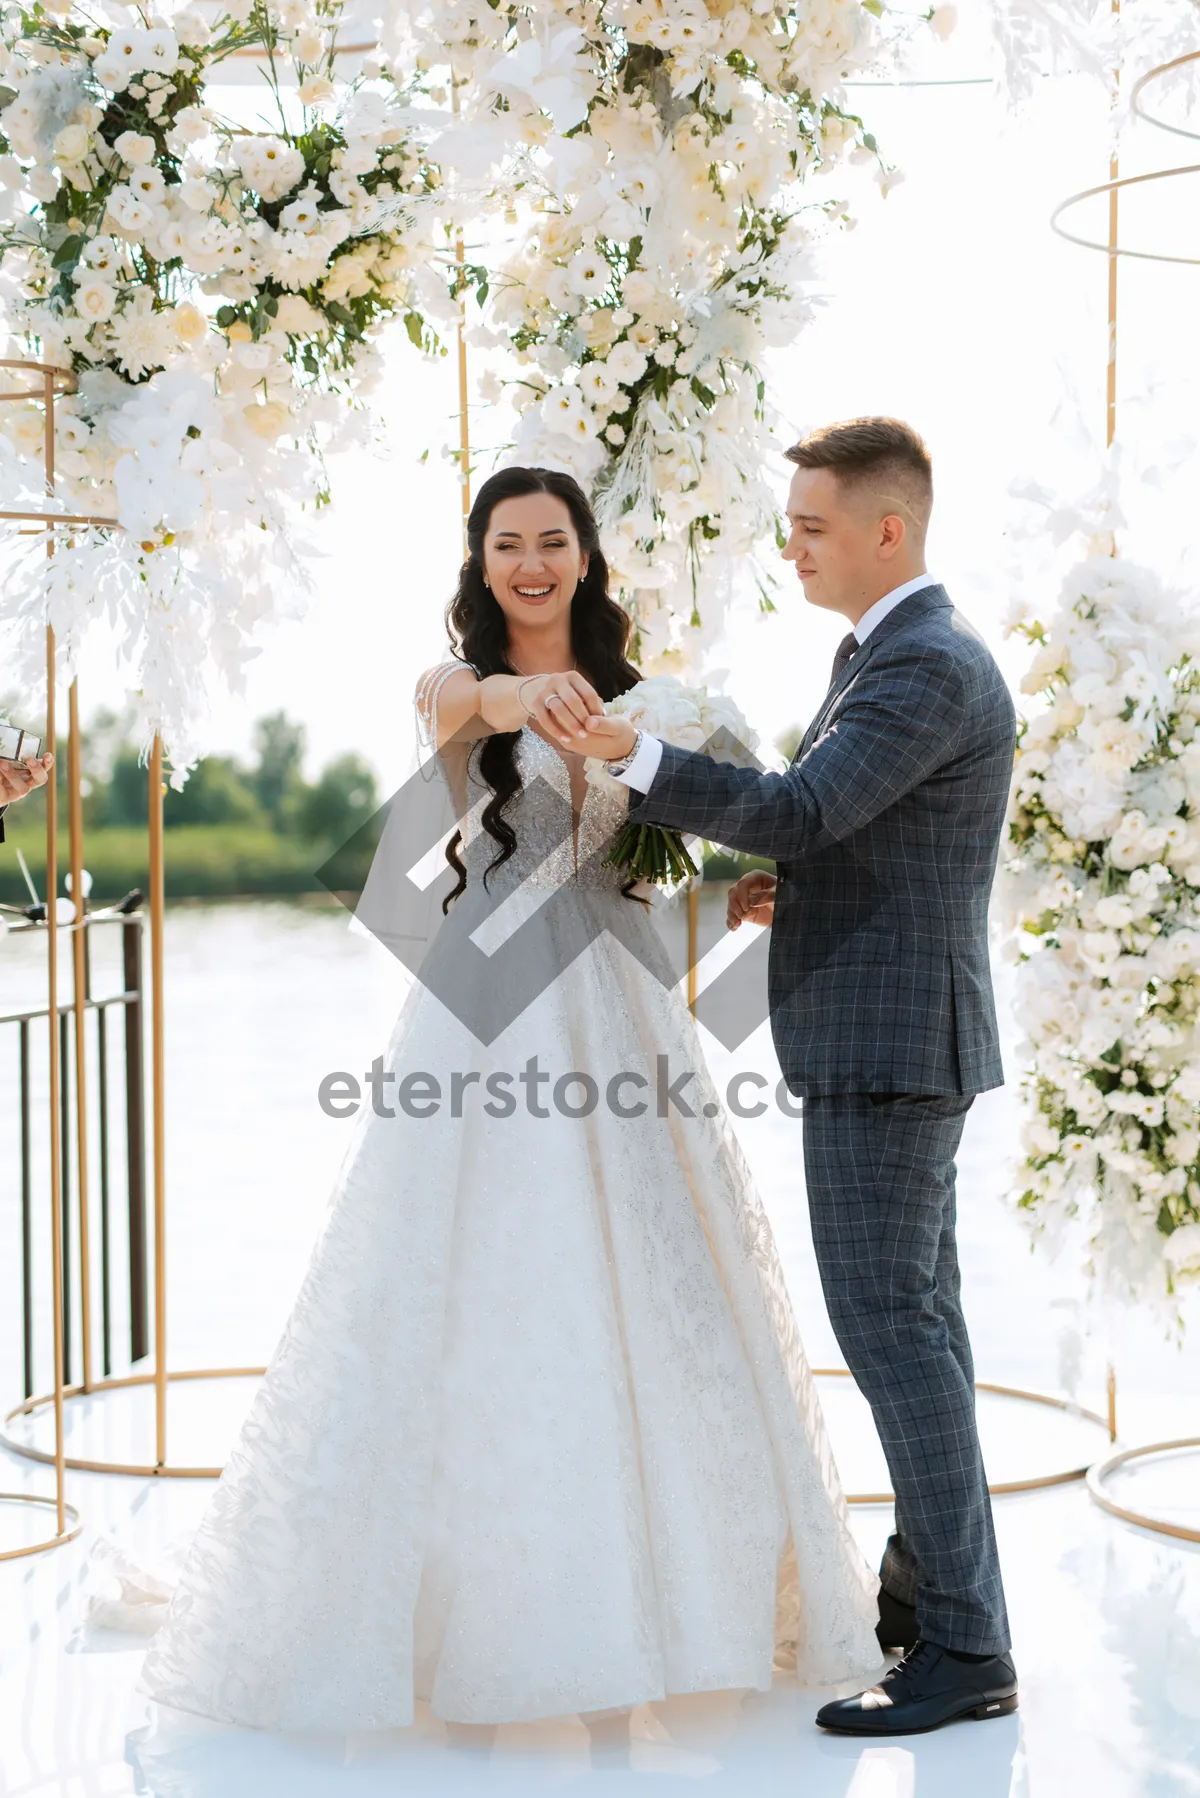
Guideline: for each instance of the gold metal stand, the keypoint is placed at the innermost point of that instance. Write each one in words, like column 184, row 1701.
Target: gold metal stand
column 1098, row 1474
column 159, row 1467
column 66, row 1518
column 464, row 391
column 53, row 383
column 1002, row 1487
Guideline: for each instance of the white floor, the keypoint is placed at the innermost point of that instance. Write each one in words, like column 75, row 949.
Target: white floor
column 1106, row 1622
column 1106, row 1618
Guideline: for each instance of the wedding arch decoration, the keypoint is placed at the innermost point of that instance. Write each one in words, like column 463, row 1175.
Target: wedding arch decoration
column 213, row 293
column 217, row 293
column 1101, row 884
column 656, row 154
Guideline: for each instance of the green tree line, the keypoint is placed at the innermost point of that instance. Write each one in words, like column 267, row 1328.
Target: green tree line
column 236, row 827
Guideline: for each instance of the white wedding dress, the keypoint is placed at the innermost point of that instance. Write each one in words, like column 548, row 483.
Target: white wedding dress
column 539, row 1437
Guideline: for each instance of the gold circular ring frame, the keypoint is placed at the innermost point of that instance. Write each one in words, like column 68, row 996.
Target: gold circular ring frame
column 138, row 1469
column 1111, row 187
column 1064, row 1478
column 1098, row 1474
column 1143, row 81
column 49, row 1504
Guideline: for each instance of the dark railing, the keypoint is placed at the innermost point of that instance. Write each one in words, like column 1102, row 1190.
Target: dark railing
column 128, row 919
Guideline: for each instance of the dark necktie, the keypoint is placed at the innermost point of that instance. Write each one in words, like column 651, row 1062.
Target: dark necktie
column 845, row 650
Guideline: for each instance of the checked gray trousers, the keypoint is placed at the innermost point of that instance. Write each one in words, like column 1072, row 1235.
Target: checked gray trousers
column 880, row 1174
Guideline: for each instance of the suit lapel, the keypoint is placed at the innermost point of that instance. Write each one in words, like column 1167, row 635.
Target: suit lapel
column 926, row 599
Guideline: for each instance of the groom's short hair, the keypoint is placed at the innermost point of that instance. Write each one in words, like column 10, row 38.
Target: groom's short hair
column 882, row 455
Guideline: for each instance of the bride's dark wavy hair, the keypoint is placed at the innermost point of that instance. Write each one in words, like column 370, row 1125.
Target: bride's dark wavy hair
column 600, row 632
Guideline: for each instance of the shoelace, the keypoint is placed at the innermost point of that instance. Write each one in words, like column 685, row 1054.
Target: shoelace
column 912, row 1662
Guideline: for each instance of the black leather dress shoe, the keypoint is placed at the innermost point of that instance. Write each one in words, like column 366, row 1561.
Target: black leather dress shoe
column 923, row 1691
column 897, row 1626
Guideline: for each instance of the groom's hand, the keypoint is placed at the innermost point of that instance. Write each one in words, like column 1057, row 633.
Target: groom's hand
column 751, row 898
column 608, row 737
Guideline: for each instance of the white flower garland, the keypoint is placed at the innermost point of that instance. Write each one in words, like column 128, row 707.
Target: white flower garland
column 655, row 153
column 1102, row 881
column 217, row 294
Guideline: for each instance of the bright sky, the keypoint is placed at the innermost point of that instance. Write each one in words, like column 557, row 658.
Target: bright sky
column 951, row 304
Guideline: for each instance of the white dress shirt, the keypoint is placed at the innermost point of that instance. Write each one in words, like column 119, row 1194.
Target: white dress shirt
column 644, row 766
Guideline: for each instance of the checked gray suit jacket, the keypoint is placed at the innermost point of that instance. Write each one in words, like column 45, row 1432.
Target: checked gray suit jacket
column 885, row 831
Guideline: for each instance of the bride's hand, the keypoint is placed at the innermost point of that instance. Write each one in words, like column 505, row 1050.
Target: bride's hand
column 751, row 898
column 562, row 704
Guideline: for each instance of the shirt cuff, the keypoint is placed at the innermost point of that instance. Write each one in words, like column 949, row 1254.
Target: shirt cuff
column 644, row 766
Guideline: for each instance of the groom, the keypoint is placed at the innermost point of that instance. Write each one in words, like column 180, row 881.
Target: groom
column 884, row 831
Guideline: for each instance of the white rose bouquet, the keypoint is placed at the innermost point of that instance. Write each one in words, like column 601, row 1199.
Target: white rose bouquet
column 691, row 718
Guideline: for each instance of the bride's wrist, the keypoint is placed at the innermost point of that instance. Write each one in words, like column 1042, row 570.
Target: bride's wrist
column 503, row 699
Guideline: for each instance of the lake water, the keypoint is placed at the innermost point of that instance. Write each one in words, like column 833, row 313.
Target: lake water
column 265, row 998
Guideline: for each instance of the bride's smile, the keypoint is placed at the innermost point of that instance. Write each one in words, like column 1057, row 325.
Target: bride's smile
column 533, row 564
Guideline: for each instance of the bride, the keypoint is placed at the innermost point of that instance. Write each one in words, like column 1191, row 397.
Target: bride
column 539, row 1438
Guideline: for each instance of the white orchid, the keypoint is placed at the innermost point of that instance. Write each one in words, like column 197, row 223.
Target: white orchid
column 1100, row 883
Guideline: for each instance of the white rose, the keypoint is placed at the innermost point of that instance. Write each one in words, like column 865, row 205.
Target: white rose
column 296, row 316
column 189, row 126
column 134, row 148
column 267, row 421
column 638, row 290
column 95, row 299
column 316, row 90
column 71, row 144
column 12, row 175
column 191, row 326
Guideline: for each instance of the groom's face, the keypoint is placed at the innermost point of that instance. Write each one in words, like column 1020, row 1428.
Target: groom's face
column 835, row 540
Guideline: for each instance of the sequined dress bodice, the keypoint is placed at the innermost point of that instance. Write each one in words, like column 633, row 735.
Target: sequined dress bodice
column 554, row 847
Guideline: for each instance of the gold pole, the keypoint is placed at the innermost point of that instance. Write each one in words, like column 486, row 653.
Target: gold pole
column 157, row 1062
column 56, row 1192
column 79, row 947
column 693, row 941
column 464, row 412
column 1110, row 429
column 1113, row 175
